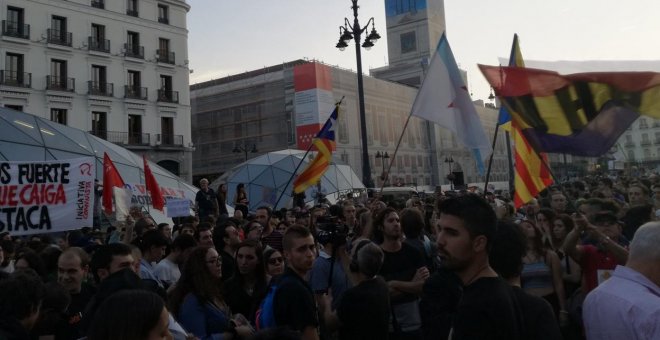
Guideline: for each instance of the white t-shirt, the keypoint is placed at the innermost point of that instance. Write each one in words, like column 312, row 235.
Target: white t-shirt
column 167, row 271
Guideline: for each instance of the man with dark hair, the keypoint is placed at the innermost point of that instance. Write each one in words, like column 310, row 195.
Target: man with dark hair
column 204, row 235
column 293, row 304
column 21, row 295
column 509, row 248
column 466, row 228
column 226, row 239
column 167, row 270
column 153, row 247
column 72, row 268
column 269, row 236
column 404, row 271
column 109, row 259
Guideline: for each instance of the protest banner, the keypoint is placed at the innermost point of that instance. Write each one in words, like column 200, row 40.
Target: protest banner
column 141, row 195
column 46, row 196
column 178, row 207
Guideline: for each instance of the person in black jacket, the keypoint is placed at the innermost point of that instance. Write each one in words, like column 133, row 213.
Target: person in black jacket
column 21, row 295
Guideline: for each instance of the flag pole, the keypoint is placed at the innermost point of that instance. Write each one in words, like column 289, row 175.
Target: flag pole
column 301, row 162
column 490, row 161
column 389, row 167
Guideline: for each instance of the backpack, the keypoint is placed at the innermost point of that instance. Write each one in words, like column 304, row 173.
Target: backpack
column 265, row 315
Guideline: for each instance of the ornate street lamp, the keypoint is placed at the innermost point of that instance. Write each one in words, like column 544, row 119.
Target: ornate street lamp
column 346, row 33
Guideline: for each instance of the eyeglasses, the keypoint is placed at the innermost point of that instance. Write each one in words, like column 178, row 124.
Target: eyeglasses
column 275, row 260
column 215, row 261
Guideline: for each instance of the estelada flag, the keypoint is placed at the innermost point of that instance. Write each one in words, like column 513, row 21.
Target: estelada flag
column 157, row 200
column 111, row 179
column 325, row 144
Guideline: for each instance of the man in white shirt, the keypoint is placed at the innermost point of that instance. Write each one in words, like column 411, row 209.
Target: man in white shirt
column 167, row 270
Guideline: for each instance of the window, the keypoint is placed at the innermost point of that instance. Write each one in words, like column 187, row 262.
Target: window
column 132, row 8
column 58, row 75
column 15, row 25
column 58, row 116
column 13, row 73
column 99, row 126
column 57, row 34
column 167, row 130
column 163, row 54
column 98, row 84
column 631, row 155
column 133, row 85
column 97, row 41
column 396, row 7
column 98, row 4
column 342, row 130
column 642, row 123
column 20, row 107
column 135, row 129
column 163, row 45
column 163, row 14
column 165, row 83
column 133, row 48
column 408, row 42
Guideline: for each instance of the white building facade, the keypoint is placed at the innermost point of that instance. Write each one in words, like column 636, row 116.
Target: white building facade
column 116, row 68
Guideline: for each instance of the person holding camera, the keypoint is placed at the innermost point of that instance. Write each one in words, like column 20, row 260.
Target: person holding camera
column 328, row 272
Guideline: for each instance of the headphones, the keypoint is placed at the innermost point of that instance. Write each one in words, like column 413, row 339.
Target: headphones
column 354, row 266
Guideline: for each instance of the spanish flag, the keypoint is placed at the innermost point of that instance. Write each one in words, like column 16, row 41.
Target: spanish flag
column 325, row 145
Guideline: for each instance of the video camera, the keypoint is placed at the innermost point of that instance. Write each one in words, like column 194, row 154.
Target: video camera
column 329, row 230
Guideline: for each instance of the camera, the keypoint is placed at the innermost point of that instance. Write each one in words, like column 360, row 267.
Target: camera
column 329, row 230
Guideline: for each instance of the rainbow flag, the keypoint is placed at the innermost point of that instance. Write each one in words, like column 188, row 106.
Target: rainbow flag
column 581, row 114
column 325, row 145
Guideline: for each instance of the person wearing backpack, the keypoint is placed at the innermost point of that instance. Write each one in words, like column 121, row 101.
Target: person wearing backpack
column 293, row 303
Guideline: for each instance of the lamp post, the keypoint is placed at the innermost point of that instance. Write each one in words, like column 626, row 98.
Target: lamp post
column 383, row 157
column 348, row 32
column 245, row 149
column 451, row 176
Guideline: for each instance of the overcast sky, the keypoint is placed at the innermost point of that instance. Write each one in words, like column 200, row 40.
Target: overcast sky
column 232, row 36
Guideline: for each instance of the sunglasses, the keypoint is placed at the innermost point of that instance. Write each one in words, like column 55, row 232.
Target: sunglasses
column 275, row 260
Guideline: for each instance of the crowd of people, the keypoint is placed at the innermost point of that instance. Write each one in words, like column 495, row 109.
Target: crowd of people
column 580, row 261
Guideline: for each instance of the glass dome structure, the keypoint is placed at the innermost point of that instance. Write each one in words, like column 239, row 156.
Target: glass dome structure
column 267, row 177
column 25, row 137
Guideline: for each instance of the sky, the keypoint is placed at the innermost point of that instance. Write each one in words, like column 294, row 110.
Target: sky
column 229, row 37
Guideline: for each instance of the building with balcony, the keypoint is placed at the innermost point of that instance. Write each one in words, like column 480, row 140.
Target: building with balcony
column 117, row 69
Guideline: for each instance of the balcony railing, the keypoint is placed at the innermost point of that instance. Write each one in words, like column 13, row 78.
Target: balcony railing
column 16, row 30
column 657, row 141
column 629, row 144
column 645, row 142
column 59, row 37
column 169, row 140
column 16, row 79
column 168, row 96
column 134, row 51
column 164, row 20
column 100, row 89
column 123, row 138
column 100, row 45
column 60, row 83
column 135, row 92
column 132, row 12
column 163, row 56
column 98, row 4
